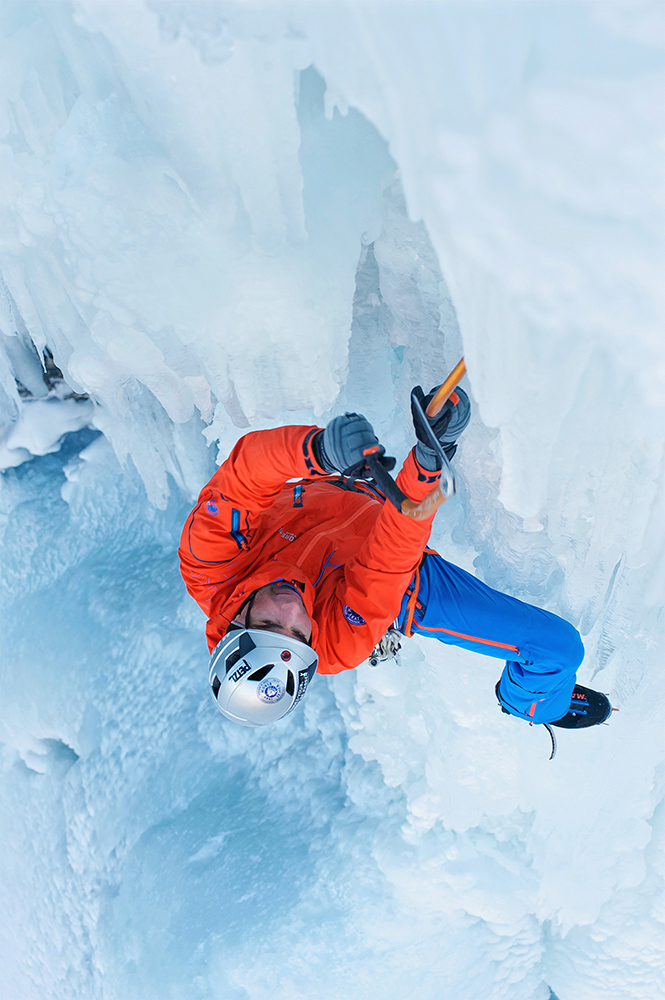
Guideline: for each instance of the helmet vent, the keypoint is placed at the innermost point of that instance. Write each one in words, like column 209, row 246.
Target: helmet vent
column 290, row 683
column 216, row 684
column 259, row 674
column 233, row 658
column 245, row 645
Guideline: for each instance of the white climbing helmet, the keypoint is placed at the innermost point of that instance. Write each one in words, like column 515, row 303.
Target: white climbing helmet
column 258, row 676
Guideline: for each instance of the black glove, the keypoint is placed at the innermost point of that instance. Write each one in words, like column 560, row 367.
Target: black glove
column 447, row 425
column 347, row 443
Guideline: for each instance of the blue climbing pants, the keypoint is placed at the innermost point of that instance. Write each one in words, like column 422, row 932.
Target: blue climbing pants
column 542, row 651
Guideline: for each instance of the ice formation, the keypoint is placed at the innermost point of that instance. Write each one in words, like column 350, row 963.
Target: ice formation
column 222, row 215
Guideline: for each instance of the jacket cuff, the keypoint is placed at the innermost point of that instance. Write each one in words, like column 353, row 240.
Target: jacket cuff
column 415, row 481
column 312, row 463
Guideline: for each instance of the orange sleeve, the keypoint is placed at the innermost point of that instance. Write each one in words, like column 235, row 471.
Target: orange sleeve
column 375, row 580
column 220, row 527
column 261, row 463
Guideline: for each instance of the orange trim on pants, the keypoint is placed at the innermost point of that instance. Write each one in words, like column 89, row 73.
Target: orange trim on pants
column 409, row 623
column 460, row 635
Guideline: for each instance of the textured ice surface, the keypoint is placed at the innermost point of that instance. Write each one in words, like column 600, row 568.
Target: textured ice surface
column 221, row 215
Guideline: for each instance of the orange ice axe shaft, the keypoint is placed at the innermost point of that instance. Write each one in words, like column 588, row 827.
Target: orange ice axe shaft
column 445, row 391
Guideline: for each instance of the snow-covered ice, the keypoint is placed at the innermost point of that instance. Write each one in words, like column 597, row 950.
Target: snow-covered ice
column 220, row 215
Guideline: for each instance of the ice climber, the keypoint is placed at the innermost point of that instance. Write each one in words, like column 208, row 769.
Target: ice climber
column 300, row 566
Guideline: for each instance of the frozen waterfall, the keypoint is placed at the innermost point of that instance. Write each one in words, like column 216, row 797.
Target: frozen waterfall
column 220, row 215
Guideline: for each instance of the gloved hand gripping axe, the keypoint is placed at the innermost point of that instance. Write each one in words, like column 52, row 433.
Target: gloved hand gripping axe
column 446, row 487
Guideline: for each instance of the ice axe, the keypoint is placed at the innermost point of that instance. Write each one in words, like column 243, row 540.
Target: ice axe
column 446, row 486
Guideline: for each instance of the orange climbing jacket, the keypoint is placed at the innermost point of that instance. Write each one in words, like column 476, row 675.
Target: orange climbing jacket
column 350, row 555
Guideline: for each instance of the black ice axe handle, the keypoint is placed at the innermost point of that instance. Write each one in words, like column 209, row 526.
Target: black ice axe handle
column 418, row 511
column 385, row 481
column 447, row 483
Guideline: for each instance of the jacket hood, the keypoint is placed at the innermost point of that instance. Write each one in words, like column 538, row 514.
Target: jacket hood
column 275, row 572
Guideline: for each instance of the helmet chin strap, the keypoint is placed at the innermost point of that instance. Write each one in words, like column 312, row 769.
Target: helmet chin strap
column 249, row 604
column 252, row 597
column 246, row 606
